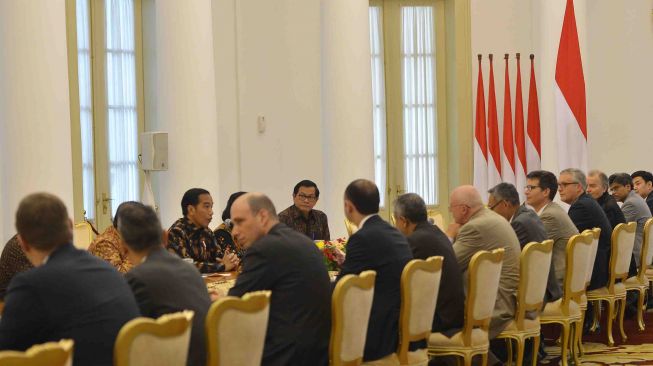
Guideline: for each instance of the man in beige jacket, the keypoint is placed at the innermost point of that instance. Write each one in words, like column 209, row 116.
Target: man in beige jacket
column 482, row 229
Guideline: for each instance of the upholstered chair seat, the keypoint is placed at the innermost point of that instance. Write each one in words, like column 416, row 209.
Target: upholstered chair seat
column 389, row 360
column 479, row 340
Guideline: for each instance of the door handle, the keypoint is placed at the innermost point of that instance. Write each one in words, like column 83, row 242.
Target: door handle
column 105, row 203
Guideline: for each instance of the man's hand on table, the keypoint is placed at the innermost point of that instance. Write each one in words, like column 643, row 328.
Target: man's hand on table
column 230, row 261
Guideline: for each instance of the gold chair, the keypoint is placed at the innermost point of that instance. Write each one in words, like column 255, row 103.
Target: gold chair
column 622, row 242
column 596, row 233
column 82, row 235
column 351, row 228
column 566, row 311
column 160, row 342
column 351, row 305
column 482, row 287
column 438, row 219
column 530, row 297
column 420, row 284
column 640, row 282
column 51, row 354
column 233, row 324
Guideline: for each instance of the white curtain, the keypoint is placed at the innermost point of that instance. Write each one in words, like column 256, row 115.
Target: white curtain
column 418, row 87
column 378, row 100
column 122, row 122
column 85, row 106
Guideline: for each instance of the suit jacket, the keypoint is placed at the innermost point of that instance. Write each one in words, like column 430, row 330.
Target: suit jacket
column 529, row 228
column 587, row 214
column 611, row 209
column 380, row 247
column 289, row 264
column 649, row 202
column 486, row 230
column 559, row 228
column 426, row 241
column 635, row 209
column 165, row 284
column 73, row 295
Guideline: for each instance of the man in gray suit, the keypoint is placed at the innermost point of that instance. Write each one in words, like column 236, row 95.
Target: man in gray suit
column 482, row 229
column 504, row 200
column 540, row 191
column 634, row 207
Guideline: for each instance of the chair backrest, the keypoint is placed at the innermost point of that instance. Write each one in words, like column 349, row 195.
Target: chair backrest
column 351, row 305
column 647, row 249
column 51, row 354
column 438, row 219
column 420, row 284
column 160, row 342
column 351, row 228
column 596, row 232
column 82, row 235
column 578, row 251
column 482, row 287
column 236, row 329
column 623, row 241
column 534, row 265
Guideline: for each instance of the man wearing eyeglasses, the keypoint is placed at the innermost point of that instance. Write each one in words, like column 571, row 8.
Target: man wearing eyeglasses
column 540, row 191
column 302, row 217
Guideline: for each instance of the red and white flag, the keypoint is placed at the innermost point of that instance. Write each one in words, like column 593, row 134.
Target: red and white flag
column 570, row 97
column 533, row 146
column 508, row 152
column 520, row 142
column 480, row 138
column 494, row 149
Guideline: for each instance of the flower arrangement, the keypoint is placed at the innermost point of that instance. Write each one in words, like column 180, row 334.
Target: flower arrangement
column 333, row 251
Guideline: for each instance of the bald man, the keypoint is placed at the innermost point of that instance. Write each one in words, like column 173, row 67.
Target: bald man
column 289, row 264
column 482, row 229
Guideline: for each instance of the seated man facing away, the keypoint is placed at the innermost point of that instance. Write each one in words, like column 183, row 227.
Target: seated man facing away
column 504, row 200
column 380, row 247
column 597, row 187
column 643, row 185
column 482, row 229
column 12, row 262
column 540, row 191
column 279, row 259
column 634, row 207
column 302, row 217
column 70, row 294
column 427, row 240
column 162, row 282
column 108, row 246
column 190, row 236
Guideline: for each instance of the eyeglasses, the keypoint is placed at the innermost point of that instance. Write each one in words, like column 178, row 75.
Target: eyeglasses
column 565, row 184
column 304, row 197
column 495, row 205
column 530, row 188
column 457, row 205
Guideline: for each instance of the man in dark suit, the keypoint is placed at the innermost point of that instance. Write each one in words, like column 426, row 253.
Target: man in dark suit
column 162, row 282
column 504, row 200
column 597, row 187
column 380, row 247
column 289, row 264
column 70, row 294
column 426, row 240
column 586, row 215
column 643, row 185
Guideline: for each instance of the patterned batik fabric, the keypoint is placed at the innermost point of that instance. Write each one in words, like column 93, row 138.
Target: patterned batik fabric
column 12, row 261
column 315, row 226
column 188, row 240
column 226, row 240
column 108, row 247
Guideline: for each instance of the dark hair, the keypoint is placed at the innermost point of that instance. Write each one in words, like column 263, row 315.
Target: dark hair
column 505, row 192
column 621, row 178
column 412, row 207
column 42, row 221
column 364, row 195
column 139, row 227
column 120, row 208
column 546, row 180
column 192, row 198
column 258, row 202
column 646, row 176
column 226, row 214
column 306, row 183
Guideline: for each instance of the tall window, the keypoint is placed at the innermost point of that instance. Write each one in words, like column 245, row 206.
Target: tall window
column 108, row 104
column 404, row 57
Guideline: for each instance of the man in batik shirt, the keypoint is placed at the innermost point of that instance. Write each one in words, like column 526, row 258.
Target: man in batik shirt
column 108, row 245
column 190, row 236
column 12, row 262
column 302, row 217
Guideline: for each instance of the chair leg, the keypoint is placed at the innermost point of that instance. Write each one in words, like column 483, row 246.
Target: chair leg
column 609, row 316
column 509, row 348
column 536, row 349
column 564, row 344
column 468, row 360
column 579, row 334
column 622, row 310
column 573, row 340
column 520, row 351
column 597, row 316
column 484, row 358
column 640, row 309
